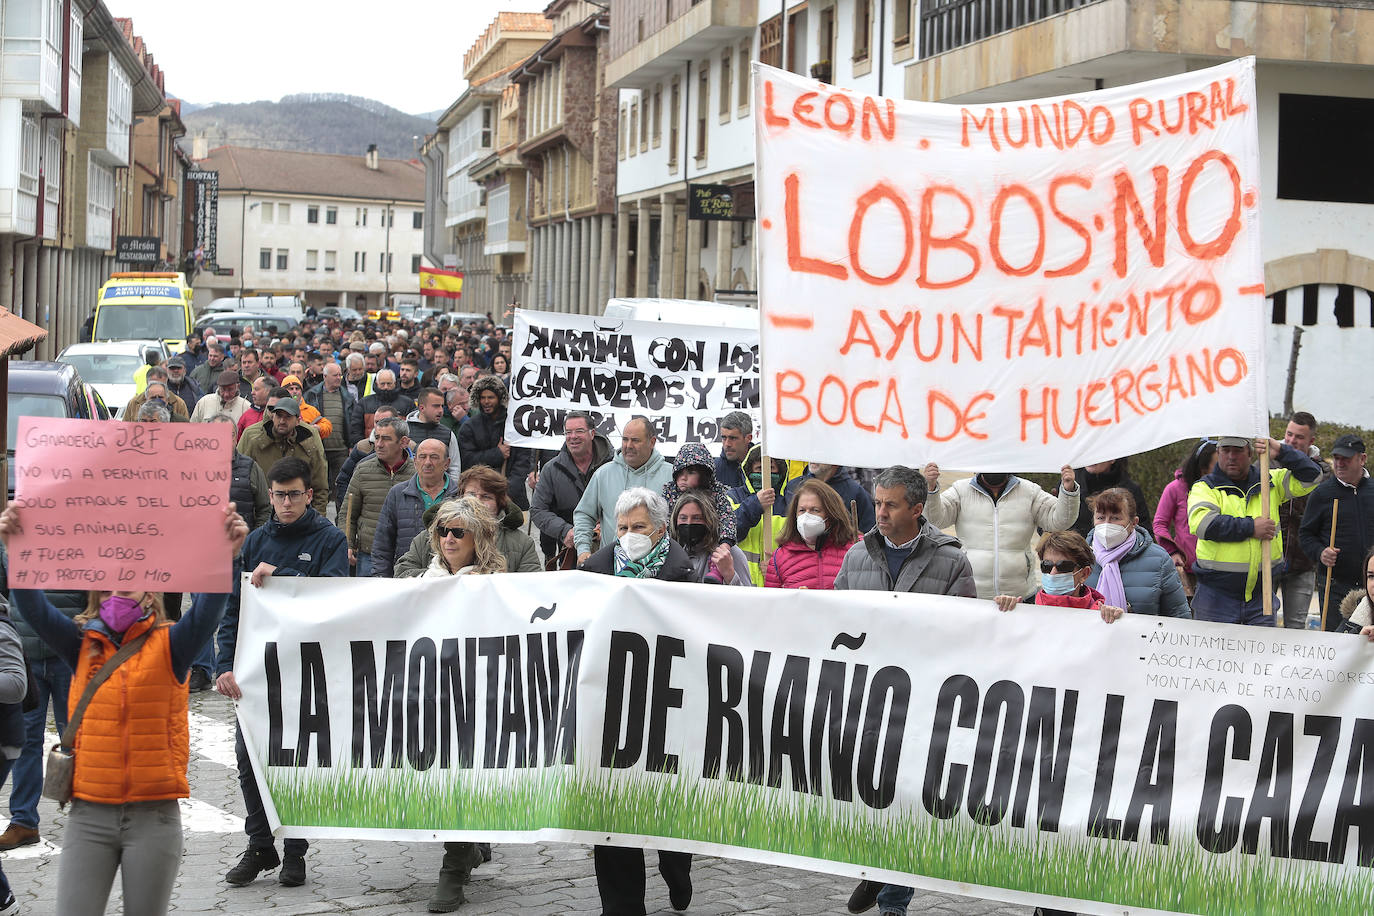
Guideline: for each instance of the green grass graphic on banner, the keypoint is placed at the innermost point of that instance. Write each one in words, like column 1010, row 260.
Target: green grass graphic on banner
column 1180, row 877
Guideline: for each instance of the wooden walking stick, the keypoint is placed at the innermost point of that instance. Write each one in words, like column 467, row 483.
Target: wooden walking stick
column 766, row 480
column 1266, row 546
column 1326, row 593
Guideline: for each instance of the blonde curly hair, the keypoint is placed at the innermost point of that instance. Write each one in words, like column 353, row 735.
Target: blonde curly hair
column 474, row 518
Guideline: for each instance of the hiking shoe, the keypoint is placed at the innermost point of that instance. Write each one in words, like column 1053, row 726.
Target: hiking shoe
column 255, row 861
column 292, row 872
column 199, row 681
column 865, row 896
column 17, row 835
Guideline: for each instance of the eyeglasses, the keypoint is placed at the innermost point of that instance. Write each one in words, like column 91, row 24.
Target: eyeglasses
column 444, row 532
column 289, row 496
column 1063, row 566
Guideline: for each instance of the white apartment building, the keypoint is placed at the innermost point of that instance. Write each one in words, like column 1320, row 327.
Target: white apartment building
column 341, row 230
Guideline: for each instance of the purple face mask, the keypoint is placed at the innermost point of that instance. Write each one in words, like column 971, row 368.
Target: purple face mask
column 119, row 612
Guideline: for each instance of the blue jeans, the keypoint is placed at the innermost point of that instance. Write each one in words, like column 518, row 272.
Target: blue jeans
column 364, row 568
column 53, row 678
column 893, row 898
column 1216, row 607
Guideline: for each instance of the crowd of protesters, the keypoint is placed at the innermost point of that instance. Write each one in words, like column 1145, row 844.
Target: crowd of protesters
column 380, row 451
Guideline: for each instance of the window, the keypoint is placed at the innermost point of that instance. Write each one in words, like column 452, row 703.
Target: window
column 331, row 261
column 417, row 219
column 388, row 218
column 381, row 262
column 1324, row 144
column 703, row 107
column 644, row 126
column 283, row 213
column 267, row 213
column 623, row 126
column 415, row 263
column 863, row 27
column 634, row 126
column 827, row 38
column 360, row 262
column 743, row 79
column 312, row 259
column 725, row 85
column 658, row 116
column 265, row 259
column 770, row 42
column 312, row 215
column 674, row 119
column 331, row 215
column 901, row 23
column 282, row 258
column 360, row 216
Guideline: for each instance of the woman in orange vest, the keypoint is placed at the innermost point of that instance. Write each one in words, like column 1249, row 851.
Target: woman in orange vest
column 133, row 745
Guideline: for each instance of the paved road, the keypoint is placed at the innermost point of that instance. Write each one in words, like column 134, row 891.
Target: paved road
column 379, row 879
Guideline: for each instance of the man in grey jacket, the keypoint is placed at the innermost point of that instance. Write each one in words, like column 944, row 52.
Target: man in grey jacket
column 638, row 465
column 564, row 479
column 904, row 553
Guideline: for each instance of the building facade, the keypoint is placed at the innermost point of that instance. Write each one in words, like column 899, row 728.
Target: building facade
column 341, row 230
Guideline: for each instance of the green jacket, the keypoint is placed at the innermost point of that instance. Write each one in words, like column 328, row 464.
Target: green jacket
column 258, row 443
column 366, row 493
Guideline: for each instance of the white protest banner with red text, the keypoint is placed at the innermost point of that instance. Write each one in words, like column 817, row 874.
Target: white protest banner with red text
column 129, row 506
column 1009, row 286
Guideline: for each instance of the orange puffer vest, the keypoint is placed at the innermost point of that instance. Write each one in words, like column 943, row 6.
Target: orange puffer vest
column 134, row 743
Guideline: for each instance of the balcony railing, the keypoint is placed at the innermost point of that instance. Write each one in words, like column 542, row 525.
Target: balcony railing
column 950, row 24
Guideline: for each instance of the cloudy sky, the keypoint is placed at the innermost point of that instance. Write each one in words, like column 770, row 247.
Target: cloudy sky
column 406, row 53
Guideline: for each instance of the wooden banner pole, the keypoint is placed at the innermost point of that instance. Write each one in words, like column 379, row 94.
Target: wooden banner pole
column 1266, row 546
column 1326, row 593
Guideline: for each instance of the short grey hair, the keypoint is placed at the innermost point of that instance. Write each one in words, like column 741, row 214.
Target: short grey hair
column 635, row 497
column 447, row 377
column 387, row 372
column 454, row 393
column 151, row 411
column 901, row 476
column 353, row 359
column 738, row 420
column 397, row 423
column 377, row 347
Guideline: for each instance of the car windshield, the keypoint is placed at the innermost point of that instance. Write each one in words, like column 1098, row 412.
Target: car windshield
column 30, row 405
column 104, row 368
column 133, row 322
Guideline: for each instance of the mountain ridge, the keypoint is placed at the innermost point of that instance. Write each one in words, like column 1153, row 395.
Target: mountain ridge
column 317, row 122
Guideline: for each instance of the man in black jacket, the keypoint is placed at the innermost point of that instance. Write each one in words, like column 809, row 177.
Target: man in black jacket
column 563, row 480
column 298, row 541
column 1351, row 487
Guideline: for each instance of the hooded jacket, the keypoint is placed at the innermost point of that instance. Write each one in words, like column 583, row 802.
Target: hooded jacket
column 748, row 511
column 262, row 445
column 1149, row 577
column 559, row 490
column 1355, row 607
column 936, row 566
column 481, row 436
column 610, row 480
column 515, row 545
column 695, row 455
column 997, row 534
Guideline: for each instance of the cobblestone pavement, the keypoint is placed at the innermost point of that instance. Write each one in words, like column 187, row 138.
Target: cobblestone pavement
column 378, row 879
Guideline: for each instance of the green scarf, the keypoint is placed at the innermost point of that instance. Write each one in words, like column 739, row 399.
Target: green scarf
column 646, row 567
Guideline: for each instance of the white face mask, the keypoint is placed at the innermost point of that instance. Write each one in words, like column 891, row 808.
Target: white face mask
column 636, row 545
column 810, row 526
column 1109, row 535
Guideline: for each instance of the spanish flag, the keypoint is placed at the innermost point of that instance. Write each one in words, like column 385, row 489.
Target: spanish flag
column 446, row 284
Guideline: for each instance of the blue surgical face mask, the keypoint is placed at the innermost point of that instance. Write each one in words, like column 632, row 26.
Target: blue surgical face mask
column 1058, row 583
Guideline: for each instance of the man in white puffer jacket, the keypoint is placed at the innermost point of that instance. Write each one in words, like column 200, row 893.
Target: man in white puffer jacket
column 995, row 517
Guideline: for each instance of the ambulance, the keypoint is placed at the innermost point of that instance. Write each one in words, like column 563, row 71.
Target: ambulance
column 144, row 305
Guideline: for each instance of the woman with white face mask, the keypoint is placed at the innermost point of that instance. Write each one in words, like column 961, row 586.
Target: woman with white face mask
column 815, row 537
column 1065, row 561
column 1129, row 568
column 642, row 550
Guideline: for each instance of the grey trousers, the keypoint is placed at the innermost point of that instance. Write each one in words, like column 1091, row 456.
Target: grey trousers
column 141, row 840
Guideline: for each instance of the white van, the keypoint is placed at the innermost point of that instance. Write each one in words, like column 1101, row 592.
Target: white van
column 684, row 311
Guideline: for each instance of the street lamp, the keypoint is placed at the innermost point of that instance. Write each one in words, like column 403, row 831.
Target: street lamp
column 244, row 210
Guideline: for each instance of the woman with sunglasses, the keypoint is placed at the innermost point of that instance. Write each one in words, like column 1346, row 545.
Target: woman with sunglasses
column 463, row 535
column 1066, row 561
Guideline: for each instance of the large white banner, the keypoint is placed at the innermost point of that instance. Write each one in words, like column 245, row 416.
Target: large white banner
column 684, row 378
column 1038, row 756
column 1009, row 286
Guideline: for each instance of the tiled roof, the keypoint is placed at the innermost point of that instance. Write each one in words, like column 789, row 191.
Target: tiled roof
column 290, row 172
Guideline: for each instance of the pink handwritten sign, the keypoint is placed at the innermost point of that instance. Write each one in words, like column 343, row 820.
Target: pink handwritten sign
column 126, row 506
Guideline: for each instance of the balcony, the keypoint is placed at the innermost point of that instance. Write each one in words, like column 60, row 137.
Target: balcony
column 989, row 50
column 31, row 52
column 75, row 36
column 704, row 27
column 107, row 99
column 100, row 201
column 19, row 194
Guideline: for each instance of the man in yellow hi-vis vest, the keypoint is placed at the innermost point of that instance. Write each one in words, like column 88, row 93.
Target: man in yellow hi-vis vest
column 1224, row 513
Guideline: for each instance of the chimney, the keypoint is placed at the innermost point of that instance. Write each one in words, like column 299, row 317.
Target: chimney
column 200, row 147
column 373, row 159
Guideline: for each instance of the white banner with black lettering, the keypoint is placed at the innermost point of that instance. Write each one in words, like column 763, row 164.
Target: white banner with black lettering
column 1038, row 756
column 684, row 378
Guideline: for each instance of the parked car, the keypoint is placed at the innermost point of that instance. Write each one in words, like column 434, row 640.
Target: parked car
column 340, row 313
column 291, row 305
column 47, row 389
column 109, row 367
column 224, row 322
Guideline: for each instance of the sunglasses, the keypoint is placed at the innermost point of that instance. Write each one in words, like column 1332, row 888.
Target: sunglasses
column 1064, row 566
column 444, row 532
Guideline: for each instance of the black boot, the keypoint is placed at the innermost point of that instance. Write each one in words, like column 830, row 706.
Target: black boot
column 255, row 861
column 459, row 859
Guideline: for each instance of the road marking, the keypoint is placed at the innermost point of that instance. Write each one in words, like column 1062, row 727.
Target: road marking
column 199, row 817
column 213, row 740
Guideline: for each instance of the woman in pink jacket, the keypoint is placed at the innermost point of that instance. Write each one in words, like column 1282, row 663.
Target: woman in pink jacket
column 815, row 537
column 1171, row 517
